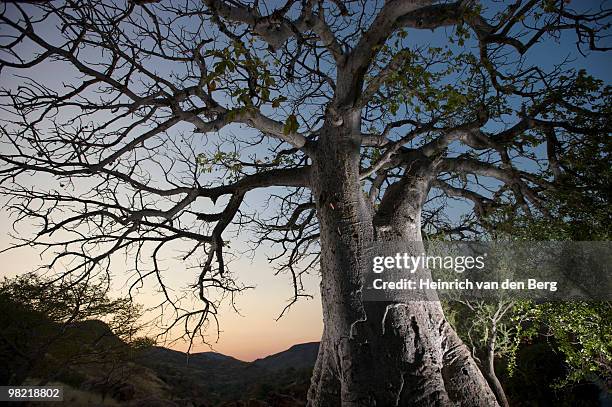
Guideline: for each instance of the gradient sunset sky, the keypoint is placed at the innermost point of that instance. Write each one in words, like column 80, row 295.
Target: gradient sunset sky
column 253, row 334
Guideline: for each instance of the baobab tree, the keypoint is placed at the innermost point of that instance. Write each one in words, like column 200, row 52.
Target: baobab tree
column 130, row 127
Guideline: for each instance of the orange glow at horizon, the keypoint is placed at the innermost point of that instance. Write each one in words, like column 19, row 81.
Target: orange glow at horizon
column 257, row 334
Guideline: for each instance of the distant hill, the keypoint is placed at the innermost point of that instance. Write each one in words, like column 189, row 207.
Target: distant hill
column 217, row 378
column 301, row 356
column 97, row 368
column 195, row 360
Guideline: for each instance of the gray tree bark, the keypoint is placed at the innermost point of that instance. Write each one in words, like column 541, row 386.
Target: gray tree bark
column 488, row 368
column 377, row 353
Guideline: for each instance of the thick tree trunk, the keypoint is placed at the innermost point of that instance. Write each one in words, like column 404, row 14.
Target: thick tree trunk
column 376, row 353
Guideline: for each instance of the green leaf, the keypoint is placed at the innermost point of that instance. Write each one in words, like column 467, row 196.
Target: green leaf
column 291, row 125
column 277, row 101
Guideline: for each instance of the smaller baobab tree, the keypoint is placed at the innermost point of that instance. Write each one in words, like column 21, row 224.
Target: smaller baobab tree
column 488, row 329
column 170, row 114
